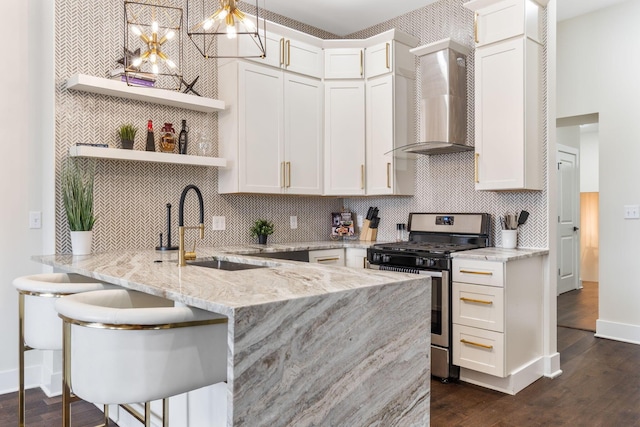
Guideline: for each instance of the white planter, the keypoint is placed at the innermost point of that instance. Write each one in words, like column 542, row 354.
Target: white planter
column 81, row 242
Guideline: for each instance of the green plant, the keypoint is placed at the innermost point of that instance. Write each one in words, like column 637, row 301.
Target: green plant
column 77, row 196
column 127, row 132
column 262, row 227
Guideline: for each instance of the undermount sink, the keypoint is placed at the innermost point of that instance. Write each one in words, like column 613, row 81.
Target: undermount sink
column 286, row 255
column 221, row 264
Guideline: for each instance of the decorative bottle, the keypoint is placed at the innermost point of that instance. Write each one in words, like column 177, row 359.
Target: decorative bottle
column 151, row 144
column 167, row 138
column 182, row 139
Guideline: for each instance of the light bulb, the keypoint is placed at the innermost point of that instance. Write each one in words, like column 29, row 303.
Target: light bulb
column 153, row 58
column 207, row 24
column 231, row 32
column 137, row 61
column 223, row 14
column 249, row 24
column 154, row 26
column 154, row 69
column 170, row 34
column 135, row 30
column 170, row 63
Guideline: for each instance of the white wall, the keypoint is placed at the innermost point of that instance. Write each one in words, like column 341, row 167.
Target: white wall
column 598, row 72
column 568, row 135
column 589, row 159
column 26, row 112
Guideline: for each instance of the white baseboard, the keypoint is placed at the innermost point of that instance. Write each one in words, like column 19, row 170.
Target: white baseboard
column 618, row 331
column 9, row 379
column 552, row 366
column 512, row 384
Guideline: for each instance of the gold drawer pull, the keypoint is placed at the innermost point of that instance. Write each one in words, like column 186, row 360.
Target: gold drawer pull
column 388, row 59
column 483, row 273
column 489, row 347
column 361, row 62
column 478, row 301
column 477, row 177
column 288, row 164
column 288, row 43
column 327, row 259
column 282, row 51
column 388, row 175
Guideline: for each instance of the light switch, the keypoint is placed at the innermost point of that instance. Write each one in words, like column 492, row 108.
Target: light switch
column 631, row 211
column 35, row 219
column 218, row 223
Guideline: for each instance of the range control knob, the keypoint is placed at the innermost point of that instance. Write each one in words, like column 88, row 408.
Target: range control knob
column 376, row 257
column 419, row 262
column 386, row 258
column 425, row 262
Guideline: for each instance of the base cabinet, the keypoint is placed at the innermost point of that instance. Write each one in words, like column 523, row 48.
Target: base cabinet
column 356, row 257
column 497, row 314
column 327, row 257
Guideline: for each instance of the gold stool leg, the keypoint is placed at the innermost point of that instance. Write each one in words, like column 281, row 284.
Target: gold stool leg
column 147, row 414
column 21, row 350
column 66, row 374
column 165, row 412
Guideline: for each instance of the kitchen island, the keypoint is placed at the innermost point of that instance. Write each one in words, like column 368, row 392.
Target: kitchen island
column 307, row 344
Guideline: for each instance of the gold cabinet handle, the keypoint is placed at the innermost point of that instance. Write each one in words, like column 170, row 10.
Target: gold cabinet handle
column 364, row 262
column 288, row 43
column 477, row 301
column 327, row 259
column 388, row 175
column 281, row 51
column 362, row 177
column 282, row 175
column 482, row 273
column 476, row 168
column 361, row 62
column 288, row 175
column 477, row 344
column 475, row 27
column 388, row 60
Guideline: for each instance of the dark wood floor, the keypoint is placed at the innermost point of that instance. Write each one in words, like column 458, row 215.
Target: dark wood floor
column 43, row 411
column 579, row 308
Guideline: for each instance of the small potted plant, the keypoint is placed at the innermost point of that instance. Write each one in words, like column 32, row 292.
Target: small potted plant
column 262, row 228
column 127, row 134
column 77, row 196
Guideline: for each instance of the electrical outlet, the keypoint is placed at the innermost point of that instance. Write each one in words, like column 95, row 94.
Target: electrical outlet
column 293, row 221
column 218, row 223
column 631, row 211
column 35, row 219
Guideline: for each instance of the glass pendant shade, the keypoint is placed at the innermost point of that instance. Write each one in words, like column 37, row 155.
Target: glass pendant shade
column 209, row 21
column 154, row 30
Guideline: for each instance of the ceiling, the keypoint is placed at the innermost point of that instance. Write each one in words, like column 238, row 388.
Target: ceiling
column 342, row 17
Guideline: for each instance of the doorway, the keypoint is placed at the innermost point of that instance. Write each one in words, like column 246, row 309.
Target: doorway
column 578, row 304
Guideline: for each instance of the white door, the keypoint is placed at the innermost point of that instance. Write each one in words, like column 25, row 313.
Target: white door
column 303, row 112
column 260, row 133
column 344, row 138
column 568, row 219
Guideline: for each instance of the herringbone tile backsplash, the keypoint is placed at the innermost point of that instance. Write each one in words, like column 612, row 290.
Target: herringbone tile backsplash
column 130, row 197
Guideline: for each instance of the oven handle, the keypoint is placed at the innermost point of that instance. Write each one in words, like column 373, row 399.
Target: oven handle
column 417, row 271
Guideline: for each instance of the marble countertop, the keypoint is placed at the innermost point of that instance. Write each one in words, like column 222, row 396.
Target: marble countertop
column 221, row 291
column 500, row 254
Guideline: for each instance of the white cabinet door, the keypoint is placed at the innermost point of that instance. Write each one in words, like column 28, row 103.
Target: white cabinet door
column 379, row 117
column 303, row 112
column 356, row 257
column 344, row 63
column 303, row 58
column 497, row 20
column 344, row 136
column 273, row 58
column 260, row 132
column 508, row 116
column 327, row 257
column 379, row 59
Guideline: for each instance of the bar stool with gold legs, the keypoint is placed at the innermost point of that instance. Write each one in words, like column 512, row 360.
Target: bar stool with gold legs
column 123, row 347
column 38, row 324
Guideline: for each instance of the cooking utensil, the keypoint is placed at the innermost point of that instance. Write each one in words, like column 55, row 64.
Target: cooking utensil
column 374, row 222
column 523, row 217
column 369, row 213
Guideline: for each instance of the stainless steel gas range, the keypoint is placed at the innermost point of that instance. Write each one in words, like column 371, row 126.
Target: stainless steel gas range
column 432, row 239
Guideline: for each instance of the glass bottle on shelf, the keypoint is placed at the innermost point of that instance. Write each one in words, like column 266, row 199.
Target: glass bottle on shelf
column 182, row 139
column 151, row 144
column 167, row 138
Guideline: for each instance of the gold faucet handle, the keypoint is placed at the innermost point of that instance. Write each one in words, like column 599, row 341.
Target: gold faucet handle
column 191, row 255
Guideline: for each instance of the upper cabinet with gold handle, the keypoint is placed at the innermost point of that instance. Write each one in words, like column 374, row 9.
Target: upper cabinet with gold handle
column 301, row 57
column 379, row 59
column 344, row 63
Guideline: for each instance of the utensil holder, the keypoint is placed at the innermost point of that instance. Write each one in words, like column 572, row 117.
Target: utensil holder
column 367, row 233
column 509, row 239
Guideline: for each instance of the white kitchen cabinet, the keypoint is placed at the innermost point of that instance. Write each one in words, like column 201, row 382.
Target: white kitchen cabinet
column 356, row 257
column 272, row 131
column 497, row 315
column 344, row 138
column 508, row 96
column 379, row 59
column 344, row 63
column 496, row 20
column 390, row 120
column 328, row 257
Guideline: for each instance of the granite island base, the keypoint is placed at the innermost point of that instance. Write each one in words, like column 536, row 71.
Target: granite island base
column 308, row 345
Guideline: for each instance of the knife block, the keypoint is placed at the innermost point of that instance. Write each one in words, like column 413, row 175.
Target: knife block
column 367, row 233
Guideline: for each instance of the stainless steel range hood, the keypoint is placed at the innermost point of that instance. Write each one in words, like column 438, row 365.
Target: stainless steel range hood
column 443, row 107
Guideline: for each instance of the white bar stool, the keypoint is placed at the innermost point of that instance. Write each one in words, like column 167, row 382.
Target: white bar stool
column 123, row 347
column 39, row 326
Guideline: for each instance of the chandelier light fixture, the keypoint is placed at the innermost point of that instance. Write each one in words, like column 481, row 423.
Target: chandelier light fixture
column 210, row 20
column 156, row 30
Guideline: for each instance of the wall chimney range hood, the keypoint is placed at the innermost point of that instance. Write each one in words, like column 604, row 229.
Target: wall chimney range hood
column 443, row 107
